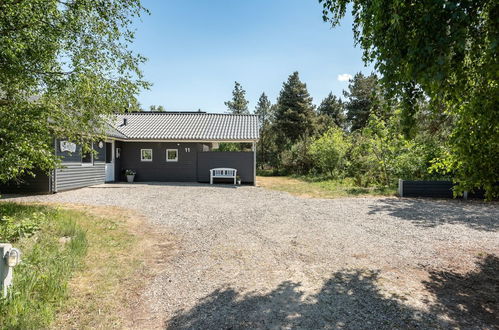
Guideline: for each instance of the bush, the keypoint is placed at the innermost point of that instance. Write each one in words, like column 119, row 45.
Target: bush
column 328, row 152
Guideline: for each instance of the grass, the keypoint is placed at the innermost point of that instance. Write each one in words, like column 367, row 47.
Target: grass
column 79, row 267
column 41, row 280
column 321, row 188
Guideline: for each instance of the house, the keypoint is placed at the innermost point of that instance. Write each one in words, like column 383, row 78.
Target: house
column 159, row 146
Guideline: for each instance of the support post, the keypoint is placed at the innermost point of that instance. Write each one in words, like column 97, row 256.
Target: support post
column 254, row 163
column 401, row 188
column 5, row 270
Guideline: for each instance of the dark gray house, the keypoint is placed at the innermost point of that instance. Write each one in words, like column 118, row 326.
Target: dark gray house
column 159, row 146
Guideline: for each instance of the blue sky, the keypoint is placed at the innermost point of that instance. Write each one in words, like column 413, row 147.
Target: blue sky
column 197, row 49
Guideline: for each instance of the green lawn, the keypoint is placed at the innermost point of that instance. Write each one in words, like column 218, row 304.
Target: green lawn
column 315, row 188
column 76, row 267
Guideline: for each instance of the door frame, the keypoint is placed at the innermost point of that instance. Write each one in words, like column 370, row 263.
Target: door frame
column 112, row 164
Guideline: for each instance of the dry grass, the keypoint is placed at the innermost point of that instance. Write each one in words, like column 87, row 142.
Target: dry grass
column 319, row 189
column 124, row 253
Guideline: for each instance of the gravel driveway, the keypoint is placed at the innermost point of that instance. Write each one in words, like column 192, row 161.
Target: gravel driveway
column 251, row 257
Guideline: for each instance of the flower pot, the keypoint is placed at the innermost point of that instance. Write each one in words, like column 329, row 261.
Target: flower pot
column 239, row 182
column 130, row 178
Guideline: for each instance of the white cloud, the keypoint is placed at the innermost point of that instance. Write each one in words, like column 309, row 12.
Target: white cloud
column 344, row 77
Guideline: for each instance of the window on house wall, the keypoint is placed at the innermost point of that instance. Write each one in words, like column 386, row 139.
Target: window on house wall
column 171, row 155
column 146, row 155
column 87, row 158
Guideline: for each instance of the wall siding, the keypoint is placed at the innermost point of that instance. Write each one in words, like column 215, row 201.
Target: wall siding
column 440, row 189
column 184, row 170
column 241, row 161
column 75, row 175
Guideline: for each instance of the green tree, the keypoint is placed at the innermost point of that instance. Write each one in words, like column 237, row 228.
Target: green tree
column 334, row 108
column 447, row 51
column 158, row 108
column 263, row 110
column 295, row 114
column 329, row 150
column 65, row 66
column 238, row 105
column 363, row 98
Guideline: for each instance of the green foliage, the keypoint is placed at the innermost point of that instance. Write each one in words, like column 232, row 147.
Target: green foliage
column 238, row 105
column 12, row 229
column 227, row 146
column 65, row 66
column 334, row 108
column 363, row 98
column 298, row 159
column 294, row 116
column 41, row 279
column 265, row 112
column 329, row 150
column 158, row 108
column 447, row 51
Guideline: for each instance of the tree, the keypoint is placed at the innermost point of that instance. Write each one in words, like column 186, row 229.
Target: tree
column 334, row 108
column 447, row 51
column 158, row 108
column 295, row 114
column 329, row 150
column 263, row 110
column 238, row 105
column 65, row 67
column 363, row 99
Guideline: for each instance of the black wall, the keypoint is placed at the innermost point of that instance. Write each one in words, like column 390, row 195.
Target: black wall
column 437, row 189
column 159, row 169
column 192, row 166
column 241, row 161
column 28, row 184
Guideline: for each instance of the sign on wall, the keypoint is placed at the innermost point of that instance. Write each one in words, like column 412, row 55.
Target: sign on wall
column 68, row 146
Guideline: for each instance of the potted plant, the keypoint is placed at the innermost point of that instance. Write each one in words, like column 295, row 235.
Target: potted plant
column 238, row 179
column 130, row 175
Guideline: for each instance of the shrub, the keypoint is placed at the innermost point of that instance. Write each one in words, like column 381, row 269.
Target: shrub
column 328, row 152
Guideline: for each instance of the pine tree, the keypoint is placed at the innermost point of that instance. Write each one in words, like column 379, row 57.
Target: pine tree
column 334, row 108
column 295, row 116
column 263, row 110
column 363, row 99
column 238, row 105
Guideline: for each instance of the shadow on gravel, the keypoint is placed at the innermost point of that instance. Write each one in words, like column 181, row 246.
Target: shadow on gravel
column 349, row 299
column 352, row 299
column 432, row 213
column 469, row 299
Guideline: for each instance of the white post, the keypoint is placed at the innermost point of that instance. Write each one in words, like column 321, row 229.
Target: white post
column 401, row 188
column 5, row 270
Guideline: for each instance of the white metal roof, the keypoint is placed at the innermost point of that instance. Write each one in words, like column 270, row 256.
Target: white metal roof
column 192, row 126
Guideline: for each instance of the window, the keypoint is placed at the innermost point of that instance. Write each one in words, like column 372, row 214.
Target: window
column 171, row 155
column 146, row 155
column 87, row 158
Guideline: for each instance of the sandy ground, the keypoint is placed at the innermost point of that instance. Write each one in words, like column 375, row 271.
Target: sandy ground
column 251, row 257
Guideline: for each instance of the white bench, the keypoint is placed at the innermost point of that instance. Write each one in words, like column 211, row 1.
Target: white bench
column 223, row 173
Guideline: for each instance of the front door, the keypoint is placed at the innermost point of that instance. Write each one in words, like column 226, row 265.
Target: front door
column 110, row 161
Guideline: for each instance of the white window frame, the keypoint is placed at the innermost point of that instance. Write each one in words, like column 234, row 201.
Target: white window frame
column 91, row 163
column 142, row 158
column 176, row 155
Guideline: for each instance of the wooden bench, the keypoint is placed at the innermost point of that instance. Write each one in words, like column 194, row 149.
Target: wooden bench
column 223, row 173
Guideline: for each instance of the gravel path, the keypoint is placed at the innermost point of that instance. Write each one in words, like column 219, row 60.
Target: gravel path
column 251, row 257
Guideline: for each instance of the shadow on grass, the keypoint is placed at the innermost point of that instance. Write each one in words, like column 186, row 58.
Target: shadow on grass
column 431, row 212
column 349, row 299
